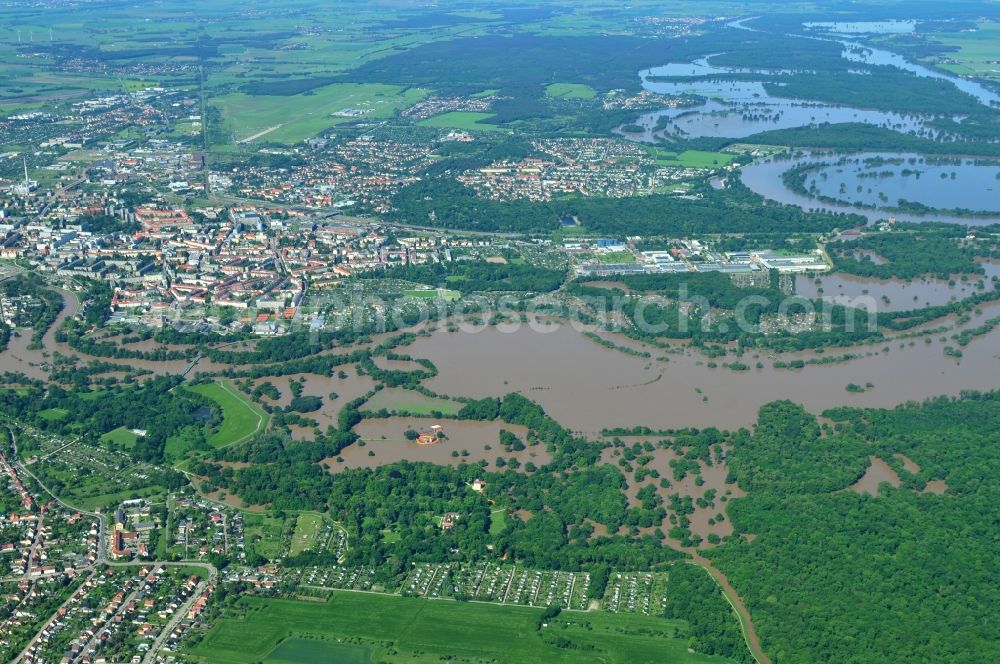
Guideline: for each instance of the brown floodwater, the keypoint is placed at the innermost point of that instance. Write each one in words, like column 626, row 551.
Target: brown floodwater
column 587, row 387
column 909, row 464
column 937, row 487
column 347, row 389
column 385, row 438
column 878, row 472
column 887, row 294
column 17, row 357
column 703, row 520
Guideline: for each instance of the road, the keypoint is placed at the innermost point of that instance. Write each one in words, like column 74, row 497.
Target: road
column 168, row 629
column 92, row 643
column 55, row 615
column 39, row 524
column 55, row 196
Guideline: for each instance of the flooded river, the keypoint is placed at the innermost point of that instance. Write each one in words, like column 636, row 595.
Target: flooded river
column 588, row 387
column 975, row 186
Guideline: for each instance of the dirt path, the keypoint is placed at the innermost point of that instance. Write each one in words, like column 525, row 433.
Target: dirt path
column 746, row 623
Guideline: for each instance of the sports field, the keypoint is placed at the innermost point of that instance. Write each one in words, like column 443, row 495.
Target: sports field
column 469, row 120
column 241, row 417
column 408, row 629
column 121, row 436
column 570, row 91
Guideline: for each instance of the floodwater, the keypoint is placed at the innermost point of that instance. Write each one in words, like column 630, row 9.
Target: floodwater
column 909, row 464
column 587, row 387
column 17, row 357
column 864, row 27
column 764, row 178
column 878, row 472
column 385, row 438
column 887, row 180
column 397, row 365
column 736, row 109
column 347, row 389
column 937, row 487
column 703, row 521
column 880, row 57
column 887, row 294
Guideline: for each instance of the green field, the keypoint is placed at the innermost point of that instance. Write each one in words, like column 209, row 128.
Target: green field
column 616, row 257
column 264, row 534
column 498, row 522
column 447, row 294
column 570, row 91
column 291, row 119
column 407, row 402
column 121, row 437
column 241, row 418
column 311, row 651
column 307, row 529
column 468, row 120
column 53, row 414
column 691, row 158
column 406, row 629
column 978, row 51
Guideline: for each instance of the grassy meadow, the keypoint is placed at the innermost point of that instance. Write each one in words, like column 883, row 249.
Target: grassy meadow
column 387, row 628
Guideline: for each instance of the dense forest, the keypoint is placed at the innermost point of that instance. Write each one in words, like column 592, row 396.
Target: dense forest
column 449, row 204
column 477, row 277
column 905, row 256
column 693, row 595
column 869, row 578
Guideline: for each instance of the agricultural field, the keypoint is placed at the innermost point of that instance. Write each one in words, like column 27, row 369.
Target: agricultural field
column 468, row 120
column 978, row 52
column 570, row 91
column 240, row 416
column 305, row 651
column 403, row 629
column 294, row 118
